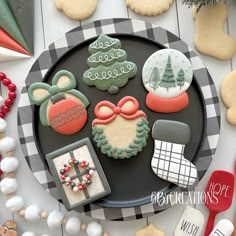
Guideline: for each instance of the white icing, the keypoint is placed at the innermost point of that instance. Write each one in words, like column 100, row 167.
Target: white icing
column 104, row 45
column 159, row 60
column 106, row 75
column 106, row 58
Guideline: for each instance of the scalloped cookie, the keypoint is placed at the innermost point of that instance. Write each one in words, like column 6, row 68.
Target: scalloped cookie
column 77, row 9
column 149, row 7
column 210, row 38
column 228, row 95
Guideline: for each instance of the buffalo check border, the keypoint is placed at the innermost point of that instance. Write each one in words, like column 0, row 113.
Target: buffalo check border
column 78, row 35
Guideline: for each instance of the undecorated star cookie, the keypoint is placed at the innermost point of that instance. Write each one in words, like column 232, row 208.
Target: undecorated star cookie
column 77, row 9
column 150, row 230
column 149, row 7
column 210, row 38
column 228, row 95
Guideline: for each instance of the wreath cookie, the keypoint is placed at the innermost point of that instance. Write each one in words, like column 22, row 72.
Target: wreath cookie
column 61, row 106
column 120, row 131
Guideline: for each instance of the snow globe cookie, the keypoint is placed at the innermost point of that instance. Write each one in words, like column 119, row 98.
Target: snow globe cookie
column 109, row 68
column 61, row 106
column 167, row 74
column 120, row 131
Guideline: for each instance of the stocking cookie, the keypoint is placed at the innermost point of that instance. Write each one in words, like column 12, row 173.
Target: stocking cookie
column 228, row 88
column 149, row 7
column 77, row 9
column 168, row 160
column 210, row 38
column 120, row 131
column 167, row 74
column 109, row 68
column 61, row 106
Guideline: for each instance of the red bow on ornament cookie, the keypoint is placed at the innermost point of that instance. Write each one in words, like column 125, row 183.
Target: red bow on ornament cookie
column 120, row 131
column 127, row 108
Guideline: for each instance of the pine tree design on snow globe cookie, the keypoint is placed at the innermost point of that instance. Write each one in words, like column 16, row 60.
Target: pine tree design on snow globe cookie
column 109, row 68
column 61, row 106
column 167, row 74
column 120, row 131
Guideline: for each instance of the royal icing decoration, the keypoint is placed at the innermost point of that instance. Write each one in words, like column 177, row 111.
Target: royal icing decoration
column 168, row 162
column 167, row 74
column 81, row 180
column 120, row 131
column 109, row 68
column 219, row 195
column 61, row 106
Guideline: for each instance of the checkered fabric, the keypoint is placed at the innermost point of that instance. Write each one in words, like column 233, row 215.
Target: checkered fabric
column 78, row 35
column 168, row 163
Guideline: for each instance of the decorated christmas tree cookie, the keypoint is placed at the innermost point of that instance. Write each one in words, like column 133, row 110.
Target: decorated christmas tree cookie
column 109, row 68
column 120, row 131
column 61, row 106
column 167, row 74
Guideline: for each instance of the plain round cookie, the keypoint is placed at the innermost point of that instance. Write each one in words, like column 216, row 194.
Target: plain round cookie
column 228, row 95
column 149, row 7
column 77, row 9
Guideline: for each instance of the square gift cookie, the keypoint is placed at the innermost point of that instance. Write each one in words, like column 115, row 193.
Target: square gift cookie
column 78, row 174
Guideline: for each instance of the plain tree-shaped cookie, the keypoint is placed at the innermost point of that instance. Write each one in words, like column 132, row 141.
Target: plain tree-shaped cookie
column 210, row 38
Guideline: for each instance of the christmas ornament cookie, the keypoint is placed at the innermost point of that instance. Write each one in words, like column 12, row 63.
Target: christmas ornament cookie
column 61, row 106
column 149, row 7
column 109, row 68
column 150, row 230
column 168, row 162
column 167, row 74
column 78, row 174
column 120, row 131
column 191, row 222
column 228, row 88
column 77, row 9
column 210, row 38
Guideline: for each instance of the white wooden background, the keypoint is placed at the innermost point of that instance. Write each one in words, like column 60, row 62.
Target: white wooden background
column 51, row 24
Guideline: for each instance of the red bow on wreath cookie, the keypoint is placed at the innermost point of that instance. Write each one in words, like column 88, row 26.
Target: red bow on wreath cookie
column 127, row 107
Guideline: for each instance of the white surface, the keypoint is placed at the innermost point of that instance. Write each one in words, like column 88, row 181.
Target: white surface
column 49, row 25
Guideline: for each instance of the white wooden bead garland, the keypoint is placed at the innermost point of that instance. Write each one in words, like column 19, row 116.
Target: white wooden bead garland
column 33, row 213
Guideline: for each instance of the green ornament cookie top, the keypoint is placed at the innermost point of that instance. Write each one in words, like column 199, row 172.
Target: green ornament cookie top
column 109, row 68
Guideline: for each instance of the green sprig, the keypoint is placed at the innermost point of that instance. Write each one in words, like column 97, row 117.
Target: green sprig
column 201, row 3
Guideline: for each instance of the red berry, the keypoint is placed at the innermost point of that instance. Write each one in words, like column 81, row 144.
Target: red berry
column 12, row 95
column 67, row 168
column 82, row 165
column 2, row 115
column 8, row 102
column 12, row 87
column 81, row 187
column 5, row 109
column 88, row 176
column 2, row 76
column 1, row 172
column 6, row 81
column 63, row 177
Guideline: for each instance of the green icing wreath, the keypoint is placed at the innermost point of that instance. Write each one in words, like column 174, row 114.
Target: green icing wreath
column 139, row 142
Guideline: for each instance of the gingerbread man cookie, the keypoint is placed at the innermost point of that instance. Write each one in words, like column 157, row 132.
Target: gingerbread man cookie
column 210, row 38
column 149, row 7
column 77, row 9
column 61, row 106
column 120, row 131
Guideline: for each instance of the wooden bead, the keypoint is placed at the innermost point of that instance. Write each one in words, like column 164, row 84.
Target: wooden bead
column 21, row 212
column 10, row 195
column 2, row 135
column 64, row 221
column 10, row 154
column 105, row 234
column 44, row 215
column 11, row 175
column 83, row 227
